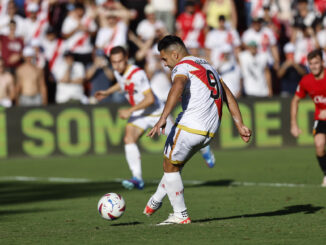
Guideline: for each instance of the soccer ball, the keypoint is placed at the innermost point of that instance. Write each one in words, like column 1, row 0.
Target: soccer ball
column 111, row 206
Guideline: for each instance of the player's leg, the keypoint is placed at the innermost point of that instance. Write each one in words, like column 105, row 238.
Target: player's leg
column 179, row 148
column 155, row 202
column 320, row 140
column 208, row 155
column 175, row 189
column 132, row 134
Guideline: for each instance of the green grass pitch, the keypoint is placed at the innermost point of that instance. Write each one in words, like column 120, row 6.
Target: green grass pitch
column 270, row 196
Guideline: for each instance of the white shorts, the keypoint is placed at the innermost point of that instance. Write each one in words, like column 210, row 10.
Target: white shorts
column 143, row 122
column 181, row 145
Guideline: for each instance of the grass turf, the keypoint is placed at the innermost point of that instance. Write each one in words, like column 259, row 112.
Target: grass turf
column 43, row 212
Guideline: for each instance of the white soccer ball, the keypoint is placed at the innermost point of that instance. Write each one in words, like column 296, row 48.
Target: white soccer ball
column 111, row 206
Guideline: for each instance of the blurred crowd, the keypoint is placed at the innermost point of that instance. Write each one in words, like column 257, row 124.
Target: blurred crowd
column 57, row 51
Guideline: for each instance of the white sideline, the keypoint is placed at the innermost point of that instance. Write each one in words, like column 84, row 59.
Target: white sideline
column 118, row 180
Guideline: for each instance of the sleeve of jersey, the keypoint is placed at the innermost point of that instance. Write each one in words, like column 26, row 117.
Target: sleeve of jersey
column 180, row 70
column 141, row 79
column 300, row 92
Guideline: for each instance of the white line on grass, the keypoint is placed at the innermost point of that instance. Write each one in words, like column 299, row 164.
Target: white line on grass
column 118, row 180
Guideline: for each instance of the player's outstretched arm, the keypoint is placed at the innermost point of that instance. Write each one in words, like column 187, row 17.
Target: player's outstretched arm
column 295, row 130
column 148, row 100
column 101, row 94
column 175, row 93
column 233, row 107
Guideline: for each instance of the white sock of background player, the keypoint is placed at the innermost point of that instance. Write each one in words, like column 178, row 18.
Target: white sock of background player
column 134, row 161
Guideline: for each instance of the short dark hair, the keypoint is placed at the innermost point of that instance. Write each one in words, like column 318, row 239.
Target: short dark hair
column 169, row 40
column 315, row 53
column 118, row 50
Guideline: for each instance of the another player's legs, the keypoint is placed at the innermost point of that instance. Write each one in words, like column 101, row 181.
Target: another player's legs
column 208, row 155
column 320, row 140
column 133, row 157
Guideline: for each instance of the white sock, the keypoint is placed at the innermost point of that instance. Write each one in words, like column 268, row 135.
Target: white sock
column 160, row 191
column 174, row 188
column 204, row 149
column 133, row 159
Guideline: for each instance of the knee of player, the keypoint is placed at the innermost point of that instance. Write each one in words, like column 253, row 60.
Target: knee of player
column 129, row 140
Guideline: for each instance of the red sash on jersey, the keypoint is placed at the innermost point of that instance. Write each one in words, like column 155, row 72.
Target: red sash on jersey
column 83, row 38
column 39, row 28
column 55, row 54
column 130, row 88
column 229, row 38
column 201, row 74
column 257, row 8
column 108, row 48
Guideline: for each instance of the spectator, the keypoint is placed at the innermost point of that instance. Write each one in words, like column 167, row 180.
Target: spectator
column 77, row 30
column 3, row 7
column 190, row 28
column 12, row 48
column 265, row 40
column 147, row 28
column 321, row 37
column 254, row 68
column 217, row 38
column 230, row 70
column 53, row 48
column 215, row 8
column 305, row 42
column 34, row 25
column 70, row 82
column 290, row 72
column 7, row 86
column 166, row 10
column 303, row 16
column 31, row 89
column 114, row 29
column 101, row 77
column 11, row 16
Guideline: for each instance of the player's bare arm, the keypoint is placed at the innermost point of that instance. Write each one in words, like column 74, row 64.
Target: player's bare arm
column 100, row 95
column 146, row 102
column 295, row 130
column 175, row 93
column 233, row 107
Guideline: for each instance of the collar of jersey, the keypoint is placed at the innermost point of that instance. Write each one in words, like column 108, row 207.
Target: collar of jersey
column 127, row 70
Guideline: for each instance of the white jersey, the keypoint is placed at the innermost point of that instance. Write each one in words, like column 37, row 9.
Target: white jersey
column 80, row 41
column 253, row 72
column 216, row 39
column 109, row 37
column 35, row 29
column 264, row 38
column 201, row 98
column 134, row 83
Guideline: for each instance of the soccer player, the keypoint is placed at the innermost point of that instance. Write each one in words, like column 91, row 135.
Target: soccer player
column 144, row 112
column 202, row 92
column 313, row 84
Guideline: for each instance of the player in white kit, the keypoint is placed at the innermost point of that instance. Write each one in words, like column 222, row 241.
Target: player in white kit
column 144, row 112
column 202, row 92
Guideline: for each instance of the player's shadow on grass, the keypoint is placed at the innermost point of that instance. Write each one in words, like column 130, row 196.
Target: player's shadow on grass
column 222, row 183
column 23, row 211
column 25, row 192
column 306, row 209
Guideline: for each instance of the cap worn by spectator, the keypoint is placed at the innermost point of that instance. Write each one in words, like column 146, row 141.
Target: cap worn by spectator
column 149, row 9
column 32, row 7
column 36, row 43
column 28, row 52
column 288, row 48
column 252, row 43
